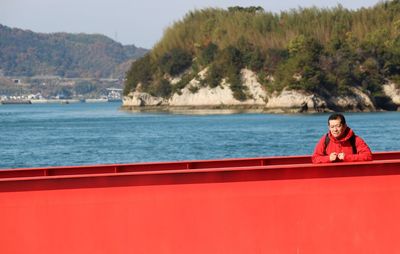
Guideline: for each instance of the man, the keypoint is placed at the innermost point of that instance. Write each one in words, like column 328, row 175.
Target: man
column 340, row 144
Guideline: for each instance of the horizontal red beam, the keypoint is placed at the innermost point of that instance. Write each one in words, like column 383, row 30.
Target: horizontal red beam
column 27, row 173
column 253, row 169
column 154, row 166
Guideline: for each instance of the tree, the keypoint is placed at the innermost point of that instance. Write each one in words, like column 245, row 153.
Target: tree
column 141, row 71
column 161, row 89
column 208, row 53
column 175, row 61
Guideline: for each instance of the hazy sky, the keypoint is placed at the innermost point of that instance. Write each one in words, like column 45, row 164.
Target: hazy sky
column 141, row 23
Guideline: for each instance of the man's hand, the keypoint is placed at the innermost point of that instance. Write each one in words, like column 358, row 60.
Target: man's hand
column 341, row 156
column 333, row 156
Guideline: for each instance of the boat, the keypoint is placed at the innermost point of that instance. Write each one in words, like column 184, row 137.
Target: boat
column 281, row 204
column 15, row 101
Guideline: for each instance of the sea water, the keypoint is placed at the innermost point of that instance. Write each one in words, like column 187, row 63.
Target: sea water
column 40, row 135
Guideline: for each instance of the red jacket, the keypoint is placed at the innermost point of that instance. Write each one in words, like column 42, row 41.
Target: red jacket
column 342, row 145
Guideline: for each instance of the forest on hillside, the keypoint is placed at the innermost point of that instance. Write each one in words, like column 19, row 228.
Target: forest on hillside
column 26, row 53
column 324, row 51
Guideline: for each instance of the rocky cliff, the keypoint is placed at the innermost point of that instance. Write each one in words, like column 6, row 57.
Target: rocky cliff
column 196, row 96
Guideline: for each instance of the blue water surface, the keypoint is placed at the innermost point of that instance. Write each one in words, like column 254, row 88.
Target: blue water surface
column 41, row 135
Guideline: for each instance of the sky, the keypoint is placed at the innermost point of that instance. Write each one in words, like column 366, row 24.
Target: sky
column 138, row 22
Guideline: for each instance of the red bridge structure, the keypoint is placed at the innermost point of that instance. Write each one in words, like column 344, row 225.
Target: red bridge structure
column 254, row 205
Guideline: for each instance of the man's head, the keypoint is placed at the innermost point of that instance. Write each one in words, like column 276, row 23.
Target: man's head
column 336, row 124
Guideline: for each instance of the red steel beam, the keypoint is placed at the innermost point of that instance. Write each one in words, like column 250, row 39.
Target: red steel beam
column 160, row 166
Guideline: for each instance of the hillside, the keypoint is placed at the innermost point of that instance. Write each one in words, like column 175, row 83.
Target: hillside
column 26, row 53
column 325, row 53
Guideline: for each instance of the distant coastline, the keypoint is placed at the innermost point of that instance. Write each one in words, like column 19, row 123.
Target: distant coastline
column 212, row 109
column 57, row 101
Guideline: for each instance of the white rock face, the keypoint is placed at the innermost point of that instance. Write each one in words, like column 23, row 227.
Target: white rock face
column 204, row 96
column 220, row 95
column 292, row 99
column 393, row 92
column 255, row 89
column 359, row 101
column 139, row 99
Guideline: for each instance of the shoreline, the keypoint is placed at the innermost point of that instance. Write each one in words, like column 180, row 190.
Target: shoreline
column 218, row 109
column 234, row 109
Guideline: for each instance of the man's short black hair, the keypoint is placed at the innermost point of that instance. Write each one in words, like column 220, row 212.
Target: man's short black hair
column 336, row 116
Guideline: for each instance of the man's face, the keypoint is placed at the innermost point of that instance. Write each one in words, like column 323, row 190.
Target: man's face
column 336, row 127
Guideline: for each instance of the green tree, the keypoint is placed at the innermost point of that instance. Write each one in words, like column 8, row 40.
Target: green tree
column 142, row 72
column 208, row 53
column 176, row 61
column 161, row 88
